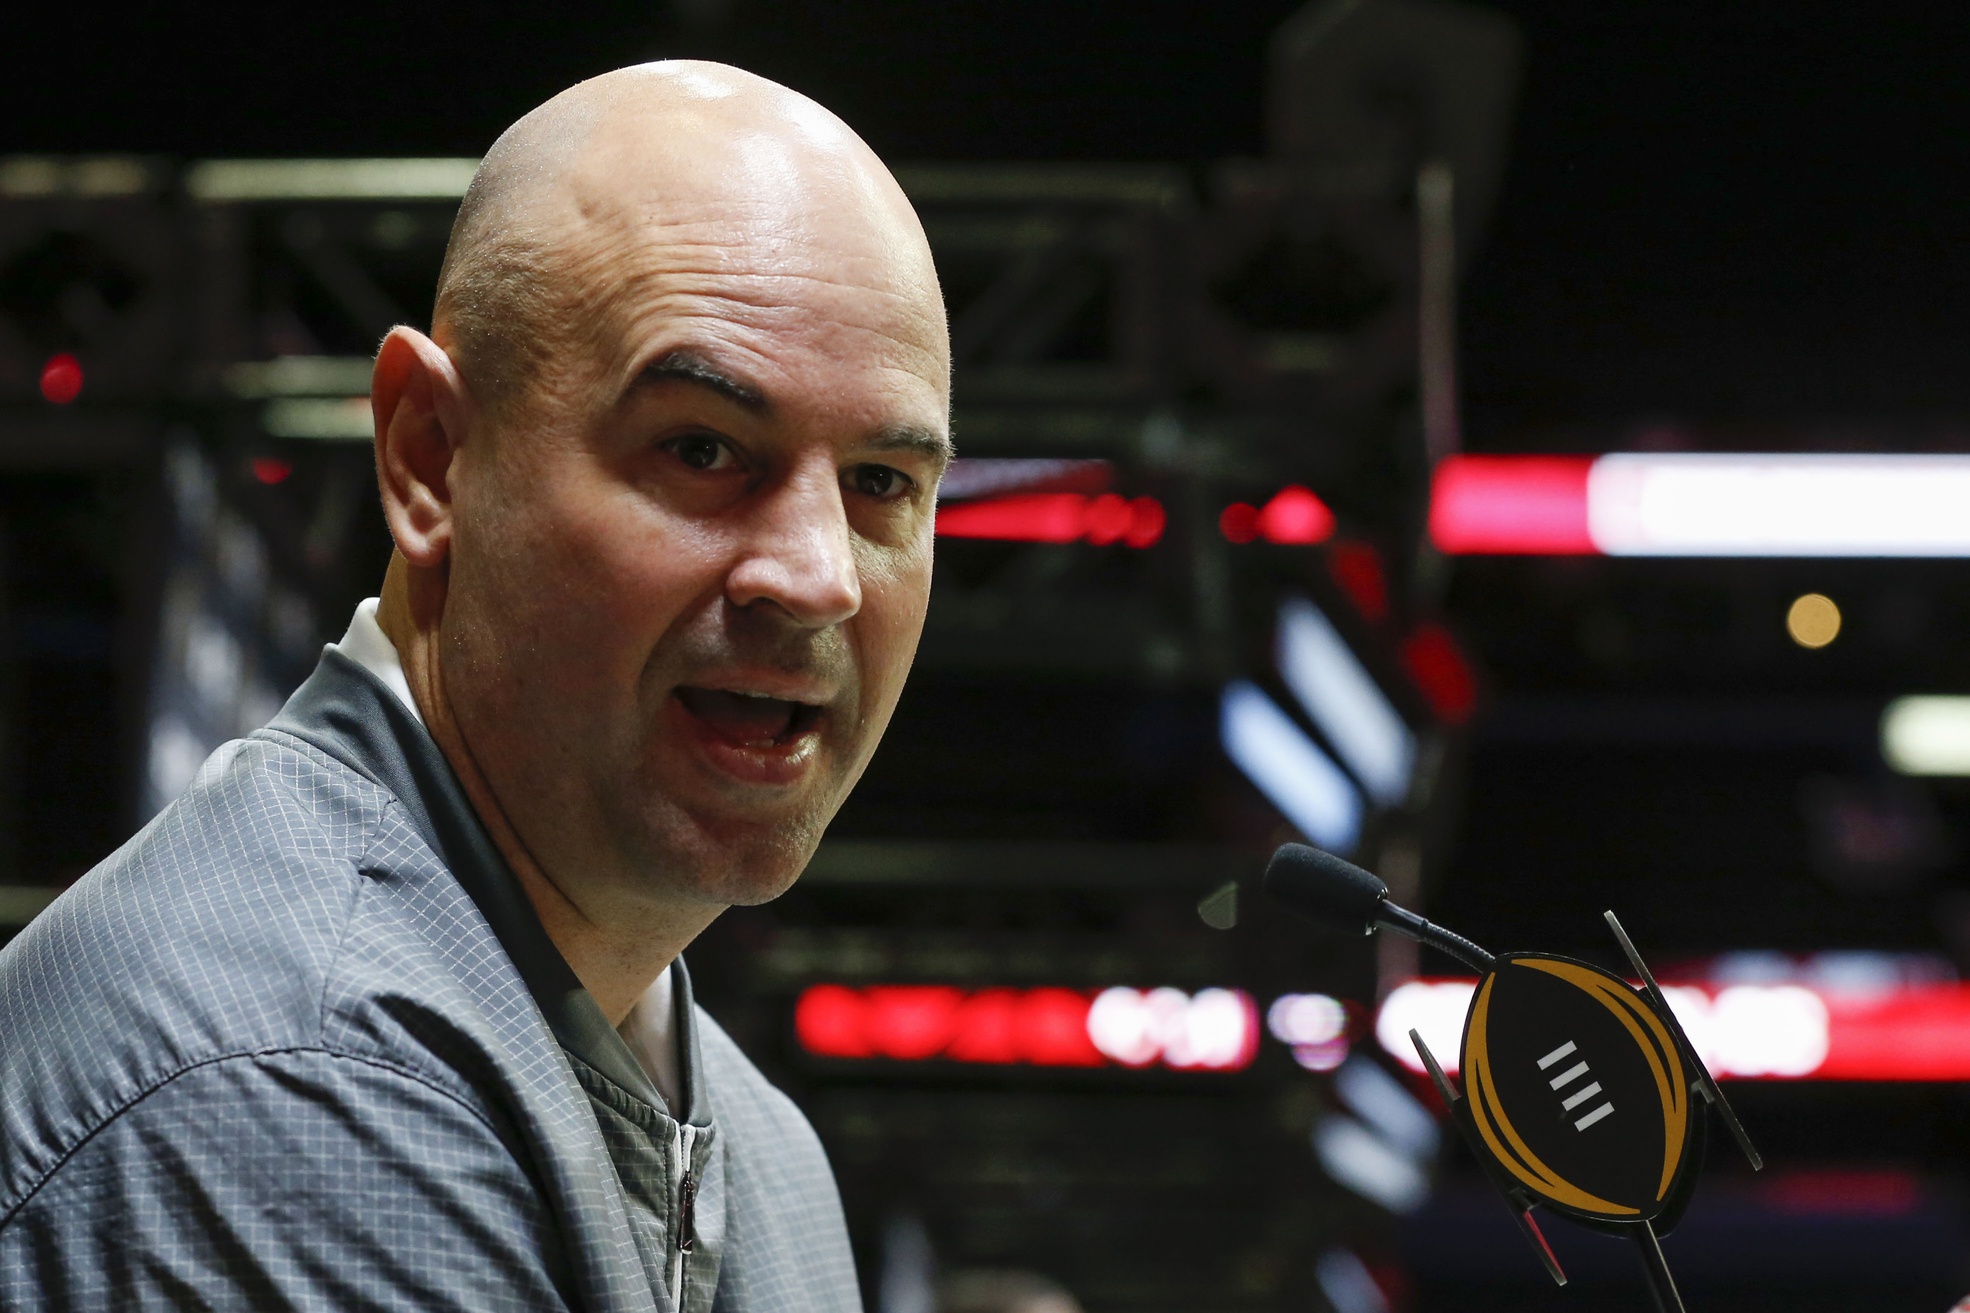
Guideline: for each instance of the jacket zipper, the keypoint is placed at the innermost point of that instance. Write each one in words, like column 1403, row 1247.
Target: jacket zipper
column 687, row 1201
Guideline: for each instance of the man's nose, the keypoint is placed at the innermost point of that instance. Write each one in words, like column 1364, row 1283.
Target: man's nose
column 799, row 554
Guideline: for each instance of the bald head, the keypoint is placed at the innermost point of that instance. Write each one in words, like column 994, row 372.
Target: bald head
column 618, row 179
column 663, row 483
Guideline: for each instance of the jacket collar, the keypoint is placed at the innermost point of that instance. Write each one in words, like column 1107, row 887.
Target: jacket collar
column 346, row 712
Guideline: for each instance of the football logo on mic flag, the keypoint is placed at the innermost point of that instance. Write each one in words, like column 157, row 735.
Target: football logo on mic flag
column 1580, row 1088
column 1577, row 1088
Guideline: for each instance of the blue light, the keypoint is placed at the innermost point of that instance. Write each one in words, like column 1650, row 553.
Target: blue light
column 1301, row 781
column 1344, row 700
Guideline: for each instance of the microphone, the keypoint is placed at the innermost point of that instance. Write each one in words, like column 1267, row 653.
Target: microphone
column 1553, row 1034
column 1343, row 897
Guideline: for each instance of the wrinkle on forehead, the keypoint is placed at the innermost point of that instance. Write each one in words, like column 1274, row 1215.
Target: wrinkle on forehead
column 675, row 166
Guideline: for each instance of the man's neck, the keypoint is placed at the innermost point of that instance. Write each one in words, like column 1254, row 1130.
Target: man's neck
column 616, row 956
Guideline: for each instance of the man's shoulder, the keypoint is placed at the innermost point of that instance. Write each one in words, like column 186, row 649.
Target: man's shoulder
column 216, row 931
column 244, row 883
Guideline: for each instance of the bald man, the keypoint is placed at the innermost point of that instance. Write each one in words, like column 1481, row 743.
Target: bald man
column 387, row 1011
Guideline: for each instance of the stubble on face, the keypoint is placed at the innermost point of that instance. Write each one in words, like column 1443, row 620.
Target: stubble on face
column 591, row 581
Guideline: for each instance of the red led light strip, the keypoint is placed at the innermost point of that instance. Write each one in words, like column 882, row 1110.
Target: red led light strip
column 1753, row 1032
column 1704, row 504
column 1056, row 517
column 1046, row 1027
column 1512, row 505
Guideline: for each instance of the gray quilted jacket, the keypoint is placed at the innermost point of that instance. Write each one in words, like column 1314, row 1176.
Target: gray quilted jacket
column 302, row 1043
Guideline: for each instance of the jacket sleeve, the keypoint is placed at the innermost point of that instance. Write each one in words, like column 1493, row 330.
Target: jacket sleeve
column 291, row 1180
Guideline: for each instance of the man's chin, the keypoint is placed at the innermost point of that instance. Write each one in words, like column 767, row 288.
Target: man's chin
column 735, row 861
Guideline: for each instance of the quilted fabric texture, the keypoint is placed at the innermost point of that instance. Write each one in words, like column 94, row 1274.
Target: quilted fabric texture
column 272, row 1054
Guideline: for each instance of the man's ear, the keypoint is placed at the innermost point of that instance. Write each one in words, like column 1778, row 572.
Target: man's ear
column 421, row 408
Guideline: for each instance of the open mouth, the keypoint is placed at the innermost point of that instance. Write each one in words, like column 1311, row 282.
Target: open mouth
column 753, row 722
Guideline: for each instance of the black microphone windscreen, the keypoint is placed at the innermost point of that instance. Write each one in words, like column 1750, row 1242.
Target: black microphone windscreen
column 1323, row 888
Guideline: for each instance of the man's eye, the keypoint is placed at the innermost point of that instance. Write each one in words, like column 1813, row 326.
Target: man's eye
column 701, row 451
column 878, row 481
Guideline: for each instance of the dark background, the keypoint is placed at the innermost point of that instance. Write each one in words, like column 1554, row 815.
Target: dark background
column 1744, row 213
column 1721, row 225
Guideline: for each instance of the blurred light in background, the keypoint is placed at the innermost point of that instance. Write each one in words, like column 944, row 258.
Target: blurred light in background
column 1532, row 505
column 1057, row 517
column 1433, row 660
column 322, row 419
column 61, row 379
column 1347, row 1284
column 1344, row 701
column 1369, row 1165
column 1289, row 769
column 1433, row 1009
column 1215, row 1028
column 1294, row 517
column 1211, row 1030
column 1754, row 1030
column 1813, row 620
column 1380, row 1101
column 1927, row 735
column 994, row 476
column 231, row 639
column 1314, row 1026
column 359, row 179
column 1703, row 504
column 1909, row 1032
column 1356, row 568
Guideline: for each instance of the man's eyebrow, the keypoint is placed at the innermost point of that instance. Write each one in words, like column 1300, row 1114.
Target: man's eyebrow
column 928, row 443
column 684, row 365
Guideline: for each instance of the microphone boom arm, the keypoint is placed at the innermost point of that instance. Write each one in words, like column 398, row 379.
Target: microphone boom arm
column 1407, row 923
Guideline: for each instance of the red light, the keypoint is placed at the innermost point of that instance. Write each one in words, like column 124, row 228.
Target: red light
column 911, row 1022
column 1916, row 1032
column 1041, row 517
column 1512, row 505
column 271, row 470
column 1046, row 1027
column 1904, row 1034
column 1056, row 517
column 1147, row 522
column 61, row 379
column 1357, row 569
column 1108, row 518
column 1437, row 664
column 1295, row 516
column 1053, row 1029
column 828, row 1023
column 1240, row 522
column 987, row 1028
column 1850, row 1192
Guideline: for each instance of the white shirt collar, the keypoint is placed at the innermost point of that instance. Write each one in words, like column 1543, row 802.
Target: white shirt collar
column 368, row 646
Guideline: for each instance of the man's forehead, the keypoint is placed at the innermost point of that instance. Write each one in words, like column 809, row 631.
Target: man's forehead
column 759, row 208
column 709, row 275
column 673, row 203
